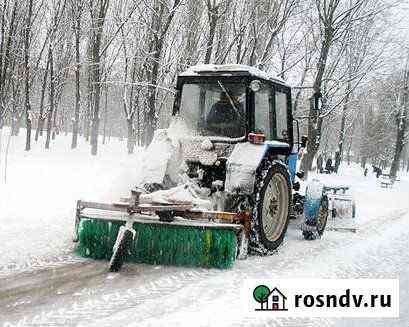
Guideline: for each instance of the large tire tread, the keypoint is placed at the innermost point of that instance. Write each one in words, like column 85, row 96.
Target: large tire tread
column 265, row 176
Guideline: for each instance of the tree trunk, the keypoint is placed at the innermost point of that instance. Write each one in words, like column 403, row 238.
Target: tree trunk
column 51, row 99
column 363, row 162
column 96, row 94
column 105, row 114
column 15, row 121
column 88, row 111
column 131, row 136
column 156, row 48
column 27, row 75
column 400, row 135
column 342, row 131
column 138, row 120
column 314, row 119
column 349, row 153
column 18, row 123
column 151, row 117
column 75, row 126
column 407, row 166
column 40, row 120
column 54, row 128
column 96, row 40
column 213, row 18
column 6, row 52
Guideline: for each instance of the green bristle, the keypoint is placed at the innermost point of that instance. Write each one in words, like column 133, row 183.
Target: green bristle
column 161, row 244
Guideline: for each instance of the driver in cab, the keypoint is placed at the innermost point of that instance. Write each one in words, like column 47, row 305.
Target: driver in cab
column 226, row 117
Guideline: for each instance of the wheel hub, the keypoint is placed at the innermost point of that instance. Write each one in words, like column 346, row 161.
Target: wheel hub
column 273, row 207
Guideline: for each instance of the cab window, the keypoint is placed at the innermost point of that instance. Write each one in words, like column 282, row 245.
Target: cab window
column 263, row 111
column 281, row 115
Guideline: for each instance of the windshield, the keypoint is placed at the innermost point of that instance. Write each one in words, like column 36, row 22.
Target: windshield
column 214, row 108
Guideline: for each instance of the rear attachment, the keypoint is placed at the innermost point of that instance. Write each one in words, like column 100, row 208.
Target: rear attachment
column 157, row 234
column 342, row 209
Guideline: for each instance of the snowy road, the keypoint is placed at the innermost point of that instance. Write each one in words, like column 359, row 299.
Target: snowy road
column 42, row 283
column 84, row 294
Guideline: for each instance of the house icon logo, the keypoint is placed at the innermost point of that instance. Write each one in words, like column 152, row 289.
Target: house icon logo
column 270, row 300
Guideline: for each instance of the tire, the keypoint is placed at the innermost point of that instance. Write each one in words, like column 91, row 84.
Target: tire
column 321, row 222
column 122, row 244
column 273, row 207
column 322, row 216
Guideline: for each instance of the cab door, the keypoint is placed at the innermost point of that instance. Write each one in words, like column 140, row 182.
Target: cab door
column 264, row 118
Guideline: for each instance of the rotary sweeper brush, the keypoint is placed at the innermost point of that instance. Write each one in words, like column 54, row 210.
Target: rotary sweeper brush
column 217, row 184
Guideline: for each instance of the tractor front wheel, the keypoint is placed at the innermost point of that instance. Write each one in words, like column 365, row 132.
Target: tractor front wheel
column 273, row 207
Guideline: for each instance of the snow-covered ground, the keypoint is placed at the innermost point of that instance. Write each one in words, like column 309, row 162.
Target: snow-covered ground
column 37, row 202
column 37, row 207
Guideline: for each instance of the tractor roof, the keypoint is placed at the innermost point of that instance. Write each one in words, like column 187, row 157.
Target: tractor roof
column 231, row 69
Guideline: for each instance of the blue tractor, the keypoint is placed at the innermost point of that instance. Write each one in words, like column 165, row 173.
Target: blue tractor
column 227, row 161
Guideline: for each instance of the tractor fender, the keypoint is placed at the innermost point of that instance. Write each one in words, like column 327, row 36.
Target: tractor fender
column 244, row 161
column 313, row 197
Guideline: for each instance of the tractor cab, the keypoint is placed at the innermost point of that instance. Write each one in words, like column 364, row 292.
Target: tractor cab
column 227, row 103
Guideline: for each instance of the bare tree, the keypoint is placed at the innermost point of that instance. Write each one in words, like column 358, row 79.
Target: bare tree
column 334, row 17
column 51, row 113
column 401, row 121
column 213, row 8
column 98, row 10
column 7, row 40
column 161, row 19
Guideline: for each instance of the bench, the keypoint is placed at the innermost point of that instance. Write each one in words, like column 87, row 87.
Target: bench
column 338, row 194
column 386, row 181
column 335, row 189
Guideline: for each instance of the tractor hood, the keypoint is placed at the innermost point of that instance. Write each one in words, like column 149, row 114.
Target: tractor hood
column 173, row 150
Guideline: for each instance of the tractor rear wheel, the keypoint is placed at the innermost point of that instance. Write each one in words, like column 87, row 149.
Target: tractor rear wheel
column 273, row 206
column 321, row 221
column 322, row 216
